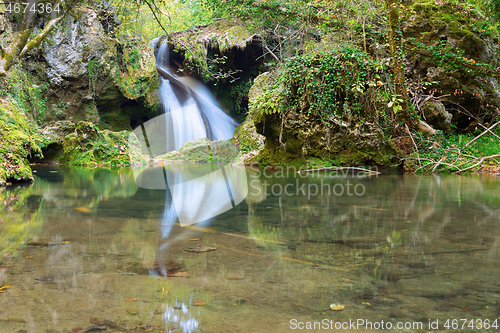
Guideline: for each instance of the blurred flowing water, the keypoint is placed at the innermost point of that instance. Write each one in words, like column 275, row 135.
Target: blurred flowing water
column 191, row 111
column 83, row 247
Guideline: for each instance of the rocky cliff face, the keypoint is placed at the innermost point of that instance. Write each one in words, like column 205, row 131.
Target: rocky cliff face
column 89, row 74
column 64, row 99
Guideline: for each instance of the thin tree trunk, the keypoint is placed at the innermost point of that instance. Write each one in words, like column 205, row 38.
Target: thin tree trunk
column 395, row 46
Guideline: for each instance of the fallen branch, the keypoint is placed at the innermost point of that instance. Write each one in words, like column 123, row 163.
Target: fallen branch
column 478, row 163
column 480, row 135
column 411, row 137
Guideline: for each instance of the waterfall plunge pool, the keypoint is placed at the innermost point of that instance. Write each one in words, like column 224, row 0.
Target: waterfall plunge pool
column 83, row 247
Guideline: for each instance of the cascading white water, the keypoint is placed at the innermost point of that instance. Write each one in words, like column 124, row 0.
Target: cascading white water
column 191, row 110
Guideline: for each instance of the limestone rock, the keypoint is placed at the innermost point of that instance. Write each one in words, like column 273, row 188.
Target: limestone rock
column 88, row 145
column 203, row 150
column 437, row 116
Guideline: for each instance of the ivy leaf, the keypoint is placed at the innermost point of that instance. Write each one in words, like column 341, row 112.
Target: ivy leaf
column 397, row 108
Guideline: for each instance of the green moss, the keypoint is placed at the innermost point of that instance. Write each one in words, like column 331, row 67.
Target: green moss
column 18, row 138
column 88, row 145
column 136, row 72
column 203, row 150
column 458, row 19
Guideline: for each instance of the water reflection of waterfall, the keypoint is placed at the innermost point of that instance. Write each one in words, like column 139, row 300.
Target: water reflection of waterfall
column 191, row 111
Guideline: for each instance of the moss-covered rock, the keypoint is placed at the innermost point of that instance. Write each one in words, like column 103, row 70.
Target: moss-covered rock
column 322, row 110
column 88, row 145
column 452, row 45
column 18, row 139
column 249, row 141
column 203, row 150
column 194, row 46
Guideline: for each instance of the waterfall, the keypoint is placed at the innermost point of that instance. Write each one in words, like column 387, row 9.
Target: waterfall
column 191, row 111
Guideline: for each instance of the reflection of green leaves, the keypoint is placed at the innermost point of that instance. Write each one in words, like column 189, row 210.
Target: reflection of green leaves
column 394, row 239
column 20, row 221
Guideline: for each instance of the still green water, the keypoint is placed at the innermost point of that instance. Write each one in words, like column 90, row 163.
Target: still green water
column 87, row 248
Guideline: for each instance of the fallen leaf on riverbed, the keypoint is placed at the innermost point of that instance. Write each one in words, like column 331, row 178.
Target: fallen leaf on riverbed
column 131, row 299
column 28, row 257
column 83, row 209
column 199, row 303
column 337, row 307
column 177, row 274
column 235, row 277
column 195, row 239
column 201, row 248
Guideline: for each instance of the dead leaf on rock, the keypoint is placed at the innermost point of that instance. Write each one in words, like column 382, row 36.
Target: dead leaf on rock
column 199, row 303
column 337, row 307
column 178, row 274
column 201, row 248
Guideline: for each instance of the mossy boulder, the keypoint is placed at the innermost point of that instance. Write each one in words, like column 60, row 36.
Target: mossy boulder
column 315, row 112
column 203, row 150
column 88, row 145
column 19, row 138
column 249, row 141
column 452, row 46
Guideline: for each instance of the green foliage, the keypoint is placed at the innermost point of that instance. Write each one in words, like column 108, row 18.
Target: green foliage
column 328, row 85
column 494, row 6
column 453, row 58
column 93, row 68
column 26, row 93
column 135, row 72
column 145, row 23
column 445, row 152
